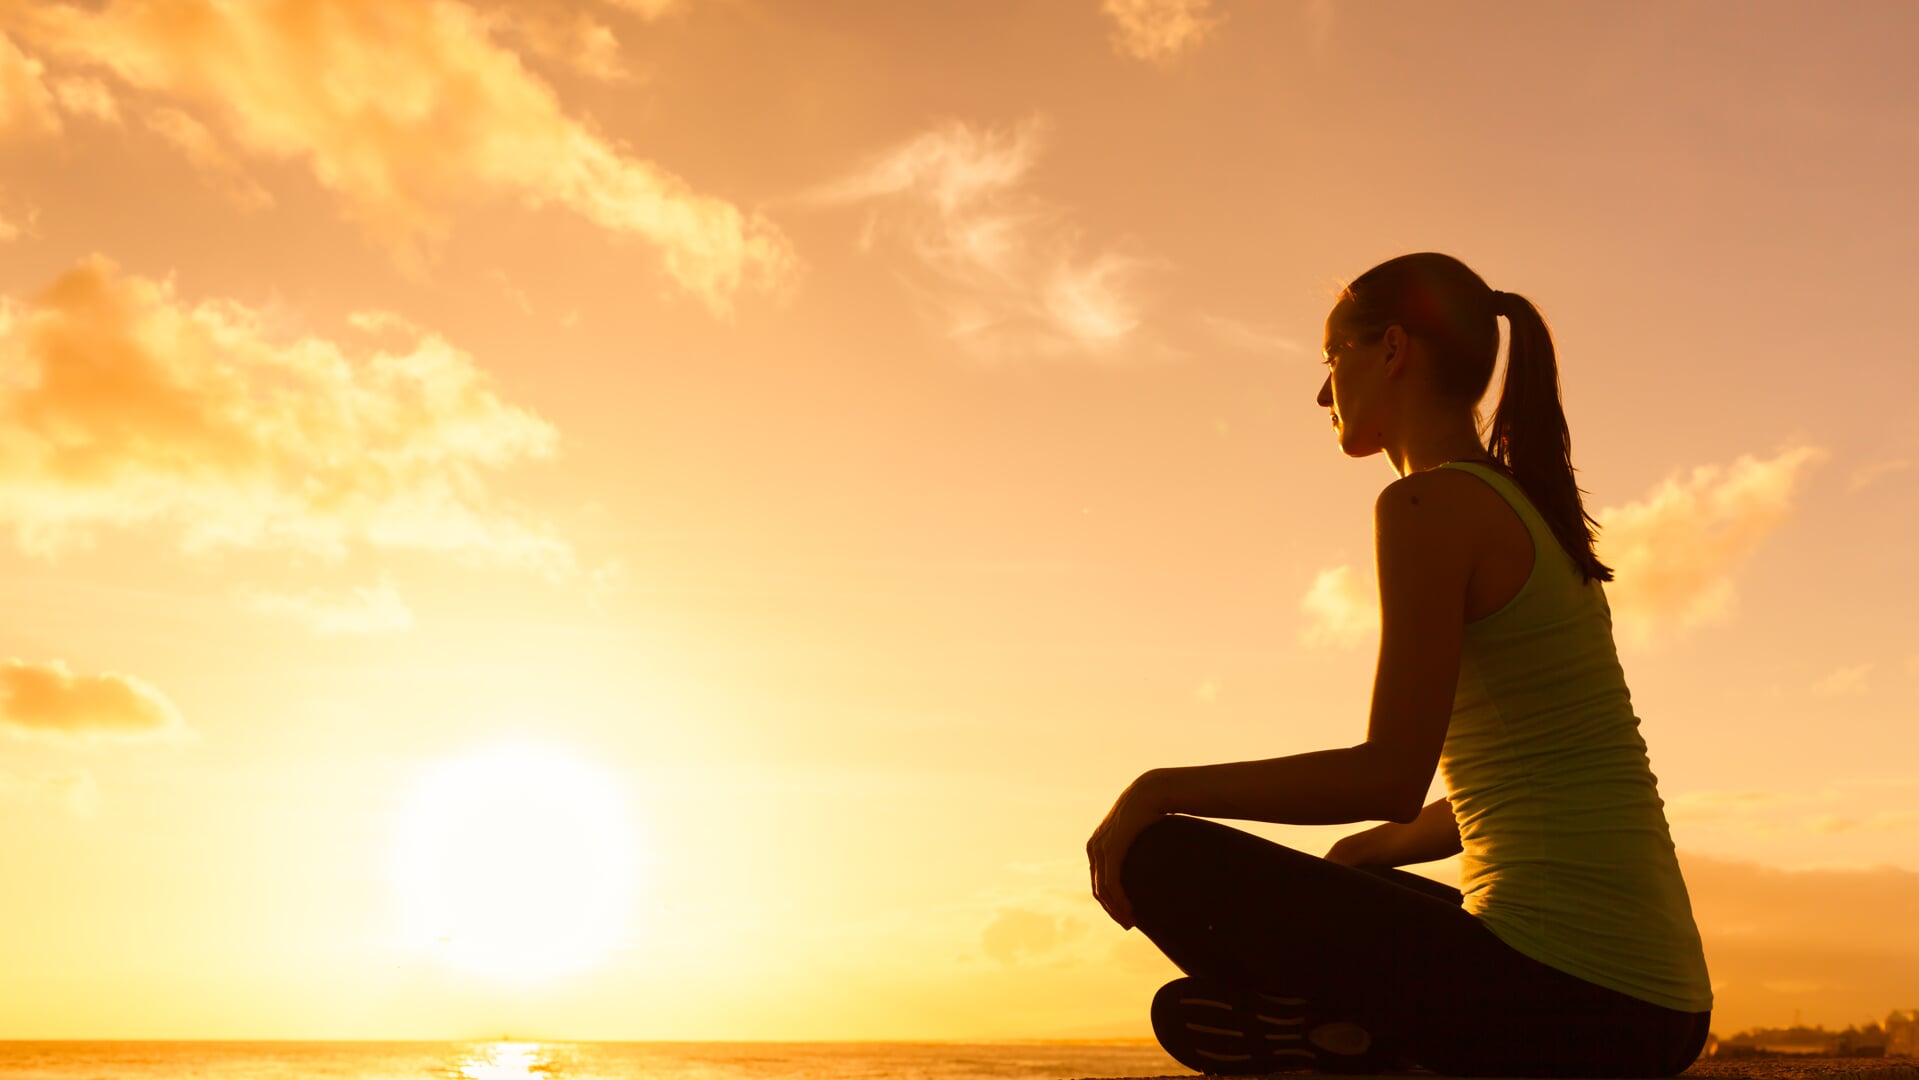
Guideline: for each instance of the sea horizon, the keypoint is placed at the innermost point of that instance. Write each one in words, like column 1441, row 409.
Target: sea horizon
column 1116, row 1040
column 557, row 1059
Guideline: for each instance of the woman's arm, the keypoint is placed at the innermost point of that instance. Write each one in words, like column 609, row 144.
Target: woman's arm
column 1425, row 554
column 1434, row 834
column 1319, row 787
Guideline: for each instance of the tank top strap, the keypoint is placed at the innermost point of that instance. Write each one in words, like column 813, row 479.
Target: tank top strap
column 1509, row 490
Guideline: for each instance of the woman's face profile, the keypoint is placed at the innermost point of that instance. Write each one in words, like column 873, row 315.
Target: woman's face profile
column 1347, row 391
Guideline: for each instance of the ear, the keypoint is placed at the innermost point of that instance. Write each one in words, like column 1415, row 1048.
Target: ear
column 1395, row 342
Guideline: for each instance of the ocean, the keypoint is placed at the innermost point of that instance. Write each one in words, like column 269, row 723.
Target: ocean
column 580, row 1061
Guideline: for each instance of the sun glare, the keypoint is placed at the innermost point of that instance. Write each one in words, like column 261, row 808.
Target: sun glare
column 515, row 862
column 506, row 1061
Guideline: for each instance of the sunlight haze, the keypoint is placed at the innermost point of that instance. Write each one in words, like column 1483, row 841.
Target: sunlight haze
column 676, row 519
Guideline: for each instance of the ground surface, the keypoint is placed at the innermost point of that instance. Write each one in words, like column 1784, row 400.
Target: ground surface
column 1767, row 1068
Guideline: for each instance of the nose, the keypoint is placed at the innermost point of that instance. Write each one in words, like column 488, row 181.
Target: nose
column 1326, row 393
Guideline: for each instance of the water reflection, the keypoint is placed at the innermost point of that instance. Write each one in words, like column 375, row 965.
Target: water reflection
column 509, row 1061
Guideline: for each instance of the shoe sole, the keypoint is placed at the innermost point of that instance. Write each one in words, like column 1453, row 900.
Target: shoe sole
column 1211, row 1026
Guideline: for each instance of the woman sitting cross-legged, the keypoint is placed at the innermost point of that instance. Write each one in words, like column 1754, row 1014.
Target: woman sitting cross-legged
column 1569, row 948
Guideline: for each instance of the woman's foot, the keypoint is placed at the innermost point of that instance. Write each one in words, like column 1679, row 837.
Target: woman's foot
column 1210, row 1025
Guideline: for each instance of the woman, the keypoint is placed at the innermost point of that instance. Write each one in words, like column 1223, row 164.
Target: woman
column 1569, row 948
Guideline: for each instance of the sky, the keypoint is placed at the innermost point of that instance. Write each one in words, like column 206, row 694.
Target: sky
column 676, row 519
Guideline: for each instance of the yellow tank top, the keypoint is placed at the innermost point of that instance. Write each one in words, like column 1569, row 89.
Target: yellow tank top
column 1567, row 855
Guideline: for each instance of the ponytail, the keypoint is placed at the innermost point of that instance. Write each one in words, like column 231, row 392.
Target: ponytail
column 1529, row 435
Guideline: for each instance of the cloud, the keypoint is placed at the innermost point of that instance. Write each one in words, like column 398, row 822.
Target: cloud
column 1339, row 611
column 1890, row 821
column 1017, row 932
column 26, row 105
column 1675, row 551
column 362, row 609
column 1003, row 272
column 649, row 9
column 87, row 97
column 513, row 292
column 1319, row 23
column 565, row 35
column 407, row 111
column 121, row 404
column 604, row 582
column 1771, row 933
column 10, row 230
column 1249, row 337
column 1694, row 806
column 1847, row 680
column 1866, row 475
column 1792, row 986
column 49, row 700
column 75, row 790
column 1856, row 805
column 1159, row 31
column 206, row 153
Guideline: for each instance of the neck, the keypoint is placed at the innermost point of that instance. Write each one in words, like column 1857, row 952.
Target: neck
column 1420, row 451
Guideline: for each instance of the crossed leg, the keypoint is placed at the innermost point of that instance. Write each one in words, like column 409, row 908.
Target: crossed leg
column 1398, row 957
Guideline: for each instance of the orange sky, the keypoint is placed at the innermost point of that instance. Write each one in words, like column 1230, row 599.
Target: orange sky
column 864, row 437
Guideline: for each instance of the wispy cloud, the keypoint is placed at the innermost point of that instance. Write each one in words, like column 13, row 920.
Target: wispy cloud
column 49, row 700
column 13, row 230
column 87, row 97
column 1846, row 680
column 361, row 609
column 1848, row 806
column 74, row 790
column 1160, row 31
column 1319, row 23
column 1004, row 272
column 1886, row 821
column 1018, row 933
column 203, row 149
column 122, row 404
column 407, row 111
column 513, row 292
column 26, row 105
column 566, row 33
column 1676, row 550
column 650, row 9
column 1249, row 337
column 1694, row 806
column 1340, row 610
column 1867, row 475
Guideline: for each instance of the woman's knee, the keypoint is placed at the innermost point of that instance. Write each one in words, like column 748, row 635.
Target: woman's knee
column 1159, row 851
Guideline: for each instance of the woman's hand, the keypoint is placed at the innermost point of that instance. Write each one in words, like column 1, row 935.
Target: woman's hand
column 1359, row 849
column 1136, row 808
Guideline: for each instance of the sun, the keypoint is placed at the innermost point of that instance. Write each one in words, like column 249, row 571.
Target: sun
column 516, row 862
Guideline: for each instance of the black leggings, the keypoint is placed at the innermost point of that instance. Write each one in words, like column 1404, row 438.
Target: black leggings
column 1395, row 952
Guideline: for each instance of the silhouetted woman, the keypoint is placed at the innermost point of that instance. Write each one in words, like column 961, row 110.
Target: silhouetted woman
column 1570, row 947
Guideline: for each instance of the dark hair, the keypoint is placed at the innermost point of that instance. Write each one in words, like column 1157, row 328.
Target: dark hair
column 1439, row 300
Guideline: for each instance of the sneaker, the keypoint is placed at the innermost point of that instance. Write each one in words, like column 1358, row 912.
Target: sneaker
column 1210, row 1025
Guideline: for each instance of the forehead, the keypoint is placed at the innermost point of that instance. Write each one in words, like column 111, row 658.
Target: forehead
column 1336, row 329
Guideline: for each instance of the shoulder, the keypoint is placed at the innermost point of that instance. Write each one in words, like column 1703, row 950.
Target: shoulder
column 1437, row 514
column 1434, row 499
